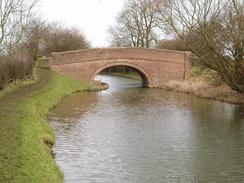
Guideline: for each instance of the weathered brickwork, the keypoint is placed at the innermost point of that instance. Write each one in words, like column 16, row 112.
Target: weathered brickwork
column 156, row 66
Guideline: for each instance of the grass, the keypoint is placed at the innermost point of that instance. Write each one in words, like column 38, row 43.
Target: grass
column 13, row 87
column 206, row 84
column 26, row 138
column 10, row 88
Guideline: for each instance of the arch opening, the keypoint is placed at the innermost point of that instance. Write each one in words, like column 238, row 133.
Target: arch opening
column 124, row 70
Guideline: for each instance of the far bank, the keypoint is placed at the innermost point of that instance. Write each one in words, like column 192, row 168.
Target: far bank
column 206, row 84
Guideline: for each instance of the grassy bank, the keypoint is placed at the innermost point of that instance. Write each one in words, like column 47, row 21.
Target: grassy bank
column 14, row 87
column 25, row 153
column 206, row 84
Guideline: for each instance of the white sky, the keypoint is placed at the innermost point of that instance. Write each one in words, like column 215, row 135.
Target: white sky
column 93, row 17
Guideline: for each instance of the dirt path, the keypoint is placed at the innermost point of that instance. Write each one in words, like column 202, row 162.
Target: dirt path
column 44, row 76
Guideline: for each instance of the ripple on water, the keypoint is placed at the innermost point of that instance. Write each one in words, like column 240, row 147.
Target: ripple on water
column 140, row 135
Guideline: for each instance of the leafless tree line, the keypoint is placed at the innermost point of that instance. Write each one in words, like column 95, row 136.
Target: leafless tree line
column 25, row 37
column 14, row 17
column 43, row 38
column 212, row 29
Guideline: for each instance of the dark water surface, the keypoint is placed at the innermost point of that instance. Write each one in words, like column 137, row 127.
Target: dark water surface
column 134, row 135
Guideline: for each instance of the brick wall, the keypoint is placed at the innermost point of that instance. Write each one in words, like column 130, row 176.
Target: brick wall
column 155, row 65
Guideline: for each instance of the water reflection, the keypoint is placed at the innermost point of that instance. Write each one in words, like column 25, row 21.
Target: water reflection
column 139, row 135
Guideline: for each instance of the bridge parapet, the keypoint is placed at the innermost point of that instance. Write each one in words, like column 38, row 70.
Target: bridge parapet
column 86, row 55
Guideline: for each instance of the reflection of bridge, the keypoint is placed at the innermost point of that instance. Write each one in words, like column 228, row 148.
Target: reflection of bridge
column 154, row 65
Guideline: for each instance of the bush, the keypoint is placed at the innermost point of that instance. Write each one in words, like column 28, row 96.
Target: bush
column 197, row 71
column 13, row 69
column 173, row 44
column 3, row 74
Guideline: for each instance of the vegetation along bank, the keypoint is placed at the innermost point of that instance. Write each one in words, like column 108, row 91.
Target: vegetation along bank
column 206, row 84
column 26, row 138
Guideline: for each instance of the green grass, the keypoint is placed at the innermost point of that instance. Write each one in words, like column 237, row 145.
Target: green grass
column 9, row 88
column 197, row 71
column 26, row 138
column 13, row 87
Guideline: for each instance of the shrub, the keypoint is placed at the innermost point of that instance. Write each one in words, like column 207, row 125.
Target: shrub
column 14, row 68
column 197, row 71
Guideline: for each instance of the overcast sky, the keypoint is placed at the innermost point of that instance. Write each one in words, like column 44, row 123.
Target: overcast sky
column 93, row 17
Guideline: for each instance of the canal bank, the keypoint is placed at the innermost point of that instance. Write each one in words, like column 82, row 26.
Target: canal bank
column 204, row 86
column 26, row 138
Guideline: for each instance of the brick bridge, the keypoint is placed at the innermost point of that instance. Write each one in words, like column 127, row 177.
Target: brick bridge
column 155, row 66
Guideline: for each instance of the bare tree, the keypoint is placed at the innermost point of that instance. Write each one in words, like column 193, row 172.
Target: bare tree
column 42, row 38
column 14, row 16
column 213, row 30
column 33, row 37
column 58, row 38
column 135, row 24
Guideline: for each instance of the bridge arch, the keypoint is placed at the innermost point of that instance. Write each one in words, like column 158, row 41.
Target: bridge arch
column 155, row 66
column 146, row 79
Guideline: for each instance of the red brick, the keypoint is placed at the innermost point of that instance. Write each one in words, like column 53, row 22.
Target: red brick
column 156, row 66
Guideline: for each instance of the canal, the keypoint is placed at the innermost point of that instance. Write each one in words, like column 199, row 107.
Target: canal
column 131, row 134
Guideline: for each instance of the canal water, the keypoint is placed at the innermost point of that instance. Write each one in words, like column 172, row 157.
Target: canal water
column 128, row 134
